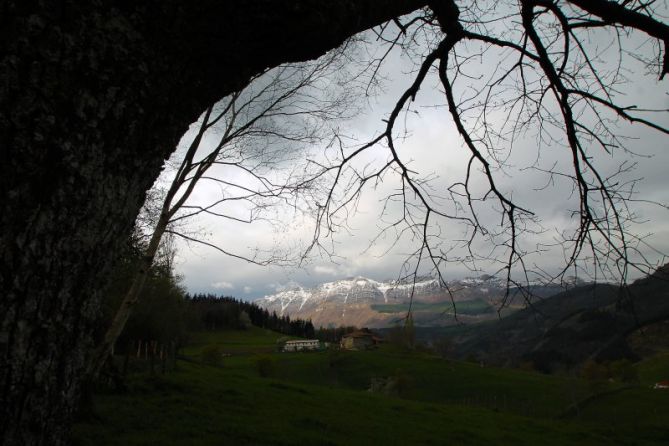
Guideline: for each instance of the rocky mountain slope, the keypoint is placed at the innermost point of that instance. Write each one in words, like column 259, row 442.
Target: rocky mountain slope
column 365, row 302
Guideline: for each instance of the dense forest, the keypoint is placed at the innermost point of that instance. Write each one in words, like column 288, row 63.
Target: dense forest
column 212, row 312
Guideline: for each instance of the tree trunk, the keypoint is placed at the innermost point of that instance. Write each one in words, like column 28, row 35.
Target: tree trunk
column 105, row 348
column 93, row 96
column 126, row 361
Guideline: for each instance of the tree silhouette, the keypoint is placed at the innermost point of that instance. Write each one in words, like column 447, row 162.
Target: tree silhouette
column 548, row 78
column 275, row 119
column 94, row 95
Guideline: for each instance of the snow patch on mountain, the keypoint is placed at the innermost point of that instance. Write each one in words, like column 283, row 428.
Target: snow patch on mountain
column 353, row 301
column 347, row 291
column 285, row 299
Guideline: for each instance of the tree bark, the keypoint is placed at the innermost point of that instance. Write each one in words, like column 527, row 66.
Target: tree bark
column 94, row 95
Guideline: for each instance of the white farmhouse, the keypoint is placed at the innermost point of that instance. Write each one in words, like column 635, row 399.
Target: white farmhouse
column 301, row 344
column 661, row 385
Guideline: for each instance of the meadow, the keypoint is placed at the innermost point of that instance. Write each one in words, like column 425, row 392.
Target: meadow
column 253, row 395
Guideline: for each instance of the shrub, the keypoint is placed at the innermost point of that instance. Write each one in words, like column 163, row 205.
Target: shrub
column 596, row 374
column 527, row 366
column 472, row 358
column 402, row 383
column 266, row 366
column 594, row 371
column 335, row 359
column 281, row 342
column 444, row 347
column 623, row 370
column 212, row 355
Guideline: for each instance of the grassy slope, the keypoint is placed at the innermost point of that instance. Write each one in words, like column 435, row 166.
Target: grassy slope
column 471, row 307
column 318, row 398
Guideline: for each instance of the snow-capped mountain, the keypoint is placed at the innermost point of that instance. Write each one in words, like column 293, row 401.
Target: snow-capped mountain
column 365, row 302
column 355, row 290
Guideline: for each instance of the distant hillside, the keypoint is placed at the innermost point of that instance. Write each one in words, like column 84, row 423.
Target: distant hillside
column 365, row 302
column 593, row 321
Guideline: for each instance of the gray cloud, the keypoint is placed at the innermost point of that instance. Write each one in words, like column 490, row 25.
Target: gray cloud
column 433, row 148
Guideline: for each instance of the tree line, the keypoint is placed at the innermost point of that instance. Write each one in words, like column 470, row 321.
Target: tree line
column 166, row 313
column 213, row 312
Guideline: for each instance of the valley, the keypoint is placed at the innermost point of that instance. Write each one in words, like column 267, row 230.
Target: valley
column 256, row 396
column 585, row 366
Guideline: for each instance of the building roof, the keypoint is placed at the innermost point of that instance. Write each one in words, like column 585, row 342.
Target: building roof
column 363, row 333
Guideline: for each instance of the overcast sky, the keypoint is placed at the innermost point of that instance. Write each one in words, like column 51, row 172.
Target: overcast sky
column 436, row 151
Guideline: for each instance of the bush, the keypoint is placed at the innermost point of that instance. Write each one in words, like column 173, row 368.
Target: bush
column 596, row 374
column 444, row 347
column 403, row 336
column 623, row 370
column 594, row 371
column 335, row 359
column 212, row 355
column 527, row 366
column 266, row 367
column 472, row 358
column 403, row 383
column 281, row 342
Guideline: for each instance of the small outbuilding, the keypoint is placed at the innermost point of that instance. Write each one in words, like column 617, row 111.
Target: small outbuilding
column 362, row 339
column 301, row 344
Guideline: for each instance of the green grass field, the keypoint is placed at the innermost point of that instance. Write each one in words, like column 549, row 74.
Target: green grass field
column 261, row 397
column 469, row 307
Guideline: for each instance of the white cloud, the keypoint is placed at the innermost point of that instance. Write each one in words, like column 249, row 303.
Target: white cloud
column 247, row 289
column 222, row 285
column 321, row 269
column 289, row 285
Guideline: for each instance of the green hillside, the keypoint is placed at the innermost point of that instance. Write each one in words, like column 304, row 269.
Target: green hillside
column 260, row 397
column 470, row 307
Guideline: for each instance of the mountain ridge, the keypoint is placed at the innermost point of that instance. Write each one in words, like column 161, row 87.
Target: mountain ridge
column 355, row 300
